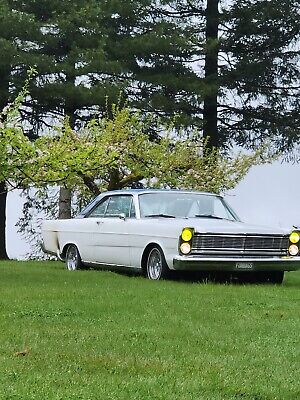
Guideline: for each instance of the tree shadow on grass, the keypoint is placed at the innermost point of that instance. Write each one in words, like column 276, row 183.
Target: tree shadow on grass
column 224, row 277
column 218, row 277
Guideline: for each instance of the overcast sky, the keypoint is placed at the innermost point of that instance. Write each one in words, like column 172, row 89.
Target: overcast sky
column 269, row 195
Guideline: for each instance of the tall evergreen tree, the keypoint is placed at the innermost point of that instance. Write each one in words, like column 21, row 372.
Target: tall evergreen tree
column 262, row 73
column 11, row 25
column 229, row 67
column 247, row 53
column 86, row 52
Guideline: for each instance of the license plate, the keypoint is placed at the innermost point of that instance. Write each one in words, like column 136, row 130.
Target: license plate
column 244, row 265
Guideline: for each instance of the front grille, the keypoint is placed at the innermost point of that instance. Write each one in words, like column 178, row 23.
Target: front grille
column 241, row 245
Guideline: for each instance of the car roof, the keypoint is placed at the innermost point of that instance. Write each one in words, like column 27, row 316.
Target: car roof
column 137, row 192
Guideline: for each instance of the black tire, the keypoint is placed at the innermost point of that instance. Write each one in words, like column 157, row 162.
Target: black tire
column 73, row 259
column 275, row 277
column 156, row 266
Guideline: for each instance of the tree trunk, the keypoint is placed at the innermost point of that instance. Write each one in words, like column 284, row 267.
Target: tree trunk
column 4, row 94
column 65, row 195
column 3, row 196
column 114, row 180
column 64, row 205
column 210, row 121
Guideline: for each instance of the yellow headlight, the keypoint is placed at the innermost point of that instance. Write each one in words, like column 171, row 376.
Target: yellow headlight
column 293, row 250
column 294, row 237
column 185, row 248
column 187, row 234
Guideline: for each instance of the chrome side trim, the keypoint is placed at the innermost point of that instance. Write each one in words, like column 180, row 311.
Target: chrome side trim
column 107, row 265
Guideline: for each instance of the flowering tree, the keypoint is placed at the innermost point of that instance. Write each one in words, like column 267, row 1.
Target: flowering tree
column 116, row 152
column 113, row 153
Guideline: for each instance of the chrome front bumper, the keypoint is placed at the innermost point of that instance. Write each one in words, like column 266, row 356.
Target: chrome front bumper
column 196, row 263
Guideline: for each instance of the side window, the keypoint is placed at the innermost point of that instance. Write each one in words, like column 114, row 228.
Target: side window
column 100, row 209
column 119, row 205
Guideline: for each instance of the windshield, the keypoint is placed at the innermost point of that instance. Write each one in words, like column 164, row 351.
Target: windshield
column 184, row 205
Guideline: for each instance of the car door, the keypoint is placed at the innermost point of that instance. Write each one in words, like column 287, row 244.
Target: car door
column 110, row 223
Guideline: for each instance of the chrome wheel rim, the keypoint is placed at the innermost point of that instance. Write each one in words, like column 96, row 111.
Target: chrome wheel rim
column 154, row 264
column 72, row 258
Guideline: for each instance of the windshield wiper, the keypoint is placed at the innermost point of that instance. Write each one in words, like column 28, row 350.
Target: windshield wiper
column 207, row 216
column 159, row 215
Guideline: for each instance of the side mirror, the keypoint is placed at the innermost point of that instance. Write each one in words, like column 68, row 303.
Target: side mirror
column 122, row 216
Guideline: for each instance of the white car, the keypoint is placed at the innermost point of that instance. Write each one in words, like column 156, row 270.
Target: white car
column 156, row 231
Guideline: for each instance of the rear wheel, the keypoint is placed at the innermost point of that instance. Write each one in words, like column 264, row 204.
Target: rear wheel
column 156, row 267
column 73, row 259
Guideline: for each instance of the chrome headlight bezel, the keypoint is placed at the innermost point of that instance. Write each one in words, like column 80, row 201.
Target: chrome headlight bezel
column 185, row 241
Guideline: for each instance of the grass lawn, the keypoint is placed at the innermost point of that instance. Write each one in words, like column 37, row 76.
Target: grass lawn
column 100, row 335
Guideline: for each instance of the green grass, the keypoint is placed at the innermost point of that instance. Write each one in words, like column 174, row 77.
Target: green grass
column 100, row 335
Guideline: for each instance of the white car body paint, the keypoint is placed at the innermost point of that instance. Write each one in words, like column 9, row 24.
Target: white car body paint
column 122, row 241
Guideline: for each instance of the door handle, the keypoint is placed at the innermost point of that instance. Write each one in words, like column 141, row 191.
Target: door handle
column 99, row 222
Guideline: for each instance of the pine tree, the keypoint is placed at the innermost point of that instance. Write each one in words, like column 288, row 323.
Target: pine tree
column 229, row 67
column 247, row 58
column 10, row 26
column 262, row 73
column 88, row 52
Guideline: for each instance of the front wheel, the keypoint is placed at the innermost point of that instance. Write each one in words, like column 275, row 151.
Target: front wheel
column 275, row 277
column 156, row 267
column 73, row 259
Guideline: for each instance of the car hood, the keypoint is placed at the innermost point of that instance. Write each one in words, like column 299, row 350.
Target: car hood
column 210, row 225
